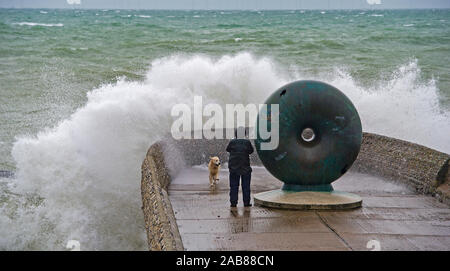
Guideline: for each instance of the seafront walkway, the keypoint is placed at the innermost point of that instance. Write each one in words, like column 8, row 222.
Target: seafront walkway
column 392, row 215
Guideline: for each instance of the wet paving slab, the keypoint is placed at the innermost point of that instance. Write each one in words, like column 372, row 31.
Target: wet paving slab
column 392, row 214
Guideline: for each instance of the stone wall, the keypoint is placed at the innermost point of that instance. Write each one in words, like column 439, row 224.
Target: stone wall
column 160, row 224
column 423, row 168
column 198, row 151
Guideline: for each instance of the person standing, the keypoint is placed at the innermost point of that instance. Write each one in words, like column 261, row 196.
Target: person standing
column 239, row 165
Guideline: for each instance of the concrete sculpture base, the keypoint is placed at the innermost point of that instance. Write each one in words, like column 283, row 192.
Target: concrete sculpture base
column 308, row 200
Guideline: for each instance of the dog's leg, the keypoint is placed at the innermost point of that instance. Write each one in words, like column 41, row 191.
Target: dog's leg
column 216, row 178
column 211, row 181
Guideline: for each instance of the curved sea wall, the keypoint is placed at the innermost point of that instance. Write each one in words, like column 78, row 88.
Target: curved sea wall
column 160, row 223
column 425, row 169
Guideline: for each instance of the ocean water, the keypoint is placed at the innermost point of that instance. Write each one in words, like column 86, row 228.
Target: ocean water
column 84, row 93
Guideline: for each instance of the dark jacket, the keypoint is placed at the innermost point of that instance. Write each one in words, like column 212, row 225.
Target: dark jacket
column 239, row 162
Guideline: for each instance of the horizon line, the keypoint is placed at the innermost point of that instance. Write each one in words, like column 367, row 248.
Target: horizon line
column 201, row 9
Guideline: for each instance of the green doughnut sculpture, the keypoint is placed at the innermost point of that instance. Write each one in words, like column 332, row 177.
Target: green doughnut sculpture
column 320, row 136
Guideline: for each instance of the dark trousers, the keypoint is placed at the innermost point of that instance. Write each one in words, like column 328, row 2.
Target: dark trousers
column 234, row 187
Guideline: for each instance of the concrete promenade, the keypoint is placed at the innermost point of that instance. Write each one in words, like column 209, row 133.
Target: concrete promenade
column 393, row 214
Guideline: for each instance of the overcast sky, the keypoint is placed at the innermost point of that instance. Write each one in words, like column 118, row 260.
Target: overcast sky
column 226, row 4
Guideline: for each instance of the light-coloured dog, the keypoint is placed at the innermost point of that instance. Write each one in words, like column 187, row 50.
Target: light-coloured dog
column 214, row 168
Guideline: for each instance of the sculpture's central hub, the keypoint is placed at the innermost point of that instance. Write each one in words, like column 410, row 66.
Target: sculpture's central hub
column 308, row 135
